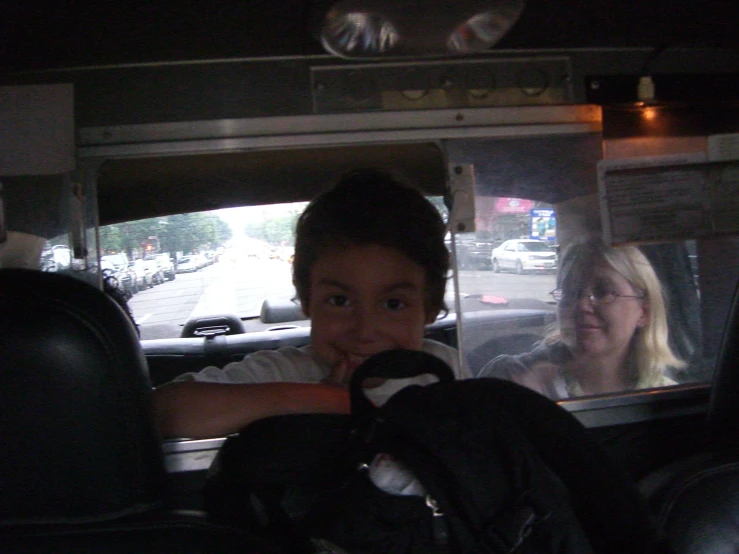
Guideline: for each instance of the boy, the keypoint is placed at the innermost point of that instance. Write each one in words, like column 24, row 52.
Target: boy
column 370, row 271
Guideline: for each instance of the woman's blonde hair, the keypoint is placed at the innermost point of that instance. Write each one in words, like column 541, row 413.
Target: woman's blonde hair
column 650, row 352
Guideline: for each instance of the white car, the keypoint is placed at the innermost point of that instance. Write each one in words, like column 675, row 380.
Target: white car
column 187, row 264
column 166, row 265
column 154, row 273
column 524, row 255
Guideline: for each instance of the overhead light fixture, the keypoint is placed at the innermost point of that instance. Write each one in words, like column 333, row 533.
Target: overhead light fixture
column 485, row 28
column 647, row 116
column 385, row 28
column 357, row 33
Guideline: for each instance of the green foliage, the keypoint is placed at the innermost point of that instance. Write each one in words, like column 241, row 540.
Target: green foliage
column 281, row 230
column 277, row 231
column 176, row 233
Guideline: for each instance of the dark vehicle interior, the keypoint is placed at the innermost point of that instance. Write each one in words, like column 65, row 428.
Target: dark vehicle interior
column 156, row 109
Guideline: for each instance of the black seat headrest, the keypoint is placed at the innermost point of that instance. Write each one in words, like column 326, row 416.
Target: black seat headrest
column 76, row 417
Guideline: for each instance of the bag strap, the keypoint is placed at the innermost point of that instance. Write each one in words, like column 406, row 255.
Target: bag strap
column 394, row 364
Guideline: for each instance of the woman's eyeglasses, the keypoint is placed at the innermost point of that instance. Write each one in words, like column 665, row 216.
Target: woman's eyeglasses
column 598, row 297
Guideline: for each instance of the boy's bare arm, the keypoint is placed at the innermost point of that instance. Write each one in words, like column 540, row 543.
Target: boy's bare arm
column 201, row 410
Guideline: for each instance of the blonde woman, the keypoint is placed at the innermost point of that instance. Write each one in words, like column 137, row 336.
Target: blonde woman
column 611, row 332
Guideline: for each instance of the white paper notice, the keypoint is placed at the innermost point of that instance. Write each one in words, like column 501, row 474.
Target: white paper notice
column 653, row 198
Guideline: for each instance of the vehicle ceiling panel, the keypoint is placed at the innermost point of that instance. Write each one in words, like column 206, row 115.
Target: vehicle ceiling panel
column 40, row 34
column 213, row 181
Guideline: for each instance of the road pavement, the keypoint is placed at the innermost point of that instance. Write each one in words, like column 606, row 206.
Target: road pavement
column 240, row 286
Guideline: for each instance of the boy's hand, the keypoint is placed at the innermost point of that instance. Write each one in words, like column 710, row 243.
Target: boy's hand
column 340, row 375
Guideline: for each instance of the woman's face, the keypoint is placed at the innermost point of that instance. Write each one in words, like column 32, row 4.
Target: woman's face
column 600, row 311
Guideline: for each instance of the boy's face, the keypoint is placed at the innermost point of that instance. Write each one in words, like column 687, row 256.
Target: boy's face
column 365, row 300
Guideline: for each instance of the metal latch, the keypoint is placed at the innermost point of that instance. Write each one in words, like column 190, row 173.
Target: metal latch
column 462, row 197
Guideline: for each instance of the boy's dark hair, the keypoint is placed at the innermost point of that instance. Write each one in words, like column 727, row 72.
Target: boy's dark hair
column 370, row 206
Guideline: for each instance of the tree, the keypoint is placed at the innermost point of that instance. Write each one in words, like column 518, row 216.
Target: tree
column 281, row 230
column 277, row 230
column 176, row 233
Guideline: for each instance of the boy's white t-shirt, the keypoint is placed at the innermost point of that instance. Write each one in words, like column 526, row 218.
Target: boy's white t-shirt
column 298, row 365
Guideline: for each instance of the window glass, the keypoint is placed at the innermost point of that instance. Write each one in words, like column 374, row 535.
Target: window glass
column 193, row 265
column 505, row 302
column 557, row 309
column 49, row 225
column 235, row 261
column 508, row 272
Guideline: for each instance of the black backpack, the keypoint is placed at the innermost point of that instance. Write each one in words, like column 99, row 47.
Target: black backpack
column 504, row 470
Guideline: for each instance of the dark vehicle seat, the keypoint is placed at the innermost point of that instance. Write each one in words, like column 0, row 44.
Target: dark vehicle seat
column 82, row 468
column 696, row 502
column 696, row 499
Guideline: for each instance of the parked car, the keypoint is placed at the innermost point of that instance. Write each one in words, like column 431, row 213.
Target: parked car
column 121, row 275
column 166, row 265
column 154, row 273
column 187, row 264
column 56, row 258
column 524, row 255
column 140, row 274
column 474, row 250
column 120, row 264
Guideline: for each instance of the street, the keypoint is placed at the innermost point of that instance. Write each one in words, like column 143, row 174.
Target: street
column 240, row 286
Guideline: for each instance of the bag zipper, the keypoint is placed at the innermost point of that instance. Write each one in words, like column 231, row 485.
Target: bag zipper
column 439, row 526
